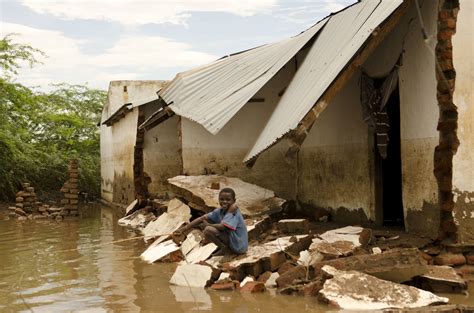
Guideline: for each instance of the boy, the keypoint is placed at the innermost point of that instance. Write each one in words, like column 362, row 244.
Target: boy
column 224, row 226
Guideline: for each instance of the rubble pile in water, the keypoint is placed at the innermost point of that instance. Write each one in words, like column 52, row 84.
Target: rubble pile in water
column 28, row 207
column 348, row 267
column 26, row 199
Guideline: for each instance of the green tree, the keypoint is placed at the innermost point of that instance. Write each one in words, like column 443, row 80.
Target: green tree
column 40, row 131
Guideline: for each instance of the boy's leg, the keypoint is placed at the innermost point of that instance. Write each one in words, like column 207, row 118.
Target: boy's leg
column 220, row 238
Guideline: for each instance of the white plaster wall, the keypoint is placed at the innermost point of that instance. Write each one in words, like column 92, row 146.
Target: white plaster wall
column 418, row 111
column 223, row 153
column 334, row 165
column 106, row 163
column 162, row 153
column 118, row 140
column 463, row 161
column 335, row 169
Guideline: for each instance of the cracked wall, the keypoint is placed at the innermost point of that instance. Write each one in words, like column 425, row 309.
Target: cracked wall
column 463, row 160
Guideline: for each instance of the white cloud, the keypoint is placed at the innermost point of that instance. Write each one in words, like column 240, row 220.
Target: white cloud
column 308, row 11
column 137, row 57
column 145, row 11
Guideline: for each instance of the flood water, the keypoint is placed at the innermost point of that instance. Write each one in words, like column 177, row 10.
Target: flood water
column 68, row 266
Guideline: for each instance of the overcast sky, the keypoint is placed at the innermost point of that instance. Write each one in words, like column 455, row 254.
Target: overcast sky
column 94, row 42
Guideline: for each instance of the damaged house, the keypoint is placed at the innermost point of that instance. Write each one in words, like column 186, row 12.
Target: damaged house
column 368, row 114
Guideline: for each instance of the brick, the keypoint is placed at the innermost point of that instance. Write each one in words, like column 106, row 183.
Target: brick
column 285, row 267
column 225, row 285
column 312, row 289
column 466, row 271
column 19, row 199
column 287, row 278
column 398, row 265
column 264, row 277
column 470, row 258
column 293, row 226
column 253, row 287
column 71, row 196
column 450, row 259
column 65, row 201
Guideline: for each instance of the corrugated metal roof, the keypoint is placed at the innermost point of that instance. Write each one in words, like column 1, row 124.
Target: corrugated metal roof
column 341, row 38
column 211, row 95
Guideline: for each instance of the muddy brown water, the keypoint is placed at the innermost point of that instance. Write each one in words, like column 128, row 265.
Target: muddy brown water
column 67, row 266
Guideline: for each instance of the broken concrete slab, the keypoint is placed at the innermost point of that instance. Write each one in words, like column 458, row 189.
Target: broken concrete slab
column 253, row 200
column 131, row 207
column 353, row 290
column 269, row 256
column 256, row 227
column 161, row 250
column 398, row 265
column 177, row 215
column 331, row 250
column 138, row 219
column 191, row 275
column 200, row 253
column 293, row 226
column 193, row 239
column 442, row 279
column 359, row 236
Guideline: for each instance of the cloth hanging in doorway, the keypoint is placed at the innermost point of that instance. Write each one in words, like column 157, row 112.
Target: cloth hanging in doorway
column 374, row 96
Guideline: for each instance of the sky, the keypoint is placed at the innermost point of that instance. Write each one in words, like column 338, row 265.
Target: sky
column 94, row 42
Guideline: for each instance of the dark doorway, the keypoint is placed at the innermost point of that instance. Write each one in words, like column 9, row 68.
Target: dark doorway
column 389, row 170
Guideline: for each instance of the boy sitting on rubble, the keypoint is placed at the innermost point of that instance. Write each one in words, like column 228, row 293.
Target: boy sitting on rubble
column 224, row 226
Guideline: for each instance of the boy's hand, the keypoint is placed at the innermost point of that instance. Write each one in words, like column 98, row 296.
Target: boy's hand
column 177, row 236
column 232, row 208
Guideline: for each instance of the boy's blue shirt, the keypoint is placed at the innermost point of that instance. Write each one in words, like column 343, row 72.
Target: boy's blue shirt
column 235, row 224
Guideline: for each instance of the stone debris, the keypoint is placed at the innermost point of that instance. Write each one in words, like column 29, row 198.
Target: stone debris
column 252, row 287
column 193, row 240
column 138, row 219
column 70, row 189
column 442, row 279
column 178, row 214
column 353, row 290
column 131, row 207
column 293, row 226
column 191, row 275
column 253, row 200
column 268, row 256
column 358, row 236
column 256, row 227
column 351, row 266
column 396, row 265
column 200, row 253
column 26, row 200
column 162, row 250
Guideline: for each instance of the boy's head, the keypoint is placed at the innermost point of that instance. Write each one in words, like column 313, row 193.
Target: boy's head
column 226, row 197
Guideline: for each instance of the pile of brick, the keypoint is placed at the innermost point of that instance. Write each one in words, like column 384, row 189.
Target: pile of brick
column 70, row 190
column 26, row 199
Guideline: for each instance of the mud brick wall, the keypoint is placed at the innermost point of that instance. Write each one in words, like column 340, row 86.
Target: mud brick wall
column 26, row 198
column 70, row 189
column 448, row 115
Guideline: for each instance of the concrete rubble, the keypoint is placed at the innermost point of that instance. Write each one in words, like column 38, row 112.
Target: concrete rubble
column 442, row 279
column 358, row 291
column 351, row 266
column 201, row 193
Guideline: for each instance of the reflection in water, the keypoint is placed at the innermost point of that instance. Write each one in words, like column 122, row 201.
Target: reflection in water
column 55, row 267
